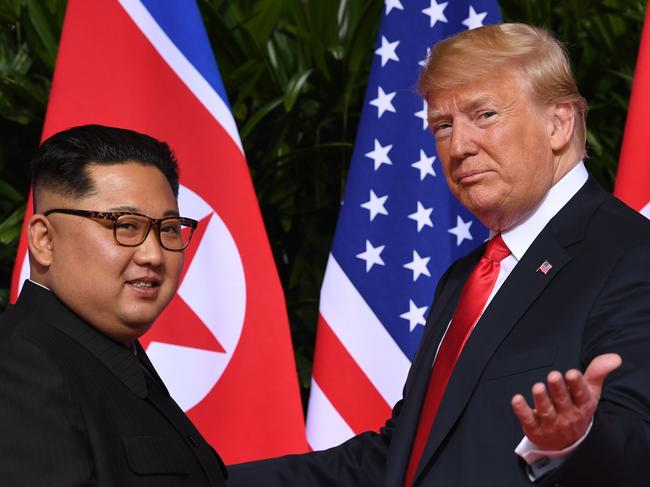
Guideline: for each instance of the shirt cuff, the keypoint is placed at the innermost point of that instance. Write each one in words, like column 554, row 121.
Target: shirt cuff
column 539, row 461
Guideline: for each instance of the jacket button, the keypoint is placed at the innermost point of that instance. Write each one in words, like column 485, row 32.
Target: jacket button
column 193, row 442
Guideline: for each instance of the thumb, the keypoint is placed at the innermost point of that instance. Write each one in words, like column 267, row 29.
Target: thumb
column 599, row 369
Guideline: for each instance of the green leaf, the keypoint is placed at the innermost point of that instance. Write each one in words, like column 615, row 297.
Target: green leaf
column 258, row 116
column 39, row 20
column 10, row 228
column 593, row 143
column 9, row 193
column 294, row 87
column 10, row 10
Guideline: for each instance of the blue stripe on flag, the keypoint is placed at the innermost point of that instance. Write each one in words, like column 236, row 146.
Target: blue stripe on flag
column 182, row 23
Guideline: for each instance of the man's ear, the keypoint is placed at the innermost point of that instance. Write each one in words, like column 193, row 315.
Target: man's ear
column 563, row 120
column 39, row 240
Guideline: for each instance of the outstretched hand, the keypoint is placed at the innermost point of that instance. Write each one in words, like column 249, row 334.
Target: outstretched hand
column 564, row 409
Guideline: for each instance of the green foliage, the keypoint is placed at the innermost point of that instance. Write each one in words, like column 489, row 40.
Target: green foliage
column 29, row 31
column 295, row 72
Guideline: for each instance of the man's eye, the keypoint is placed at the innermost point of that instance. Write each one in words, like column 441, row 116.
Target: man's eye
column 171, row 228
column 125, row 225
column 441, row 127
column 128, row 225
column 488, row 114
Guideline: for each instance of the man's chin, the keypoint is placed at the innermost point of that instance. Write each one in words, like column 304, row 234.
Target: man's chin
column 491, row 217
column 481, row 206
column 139, row 324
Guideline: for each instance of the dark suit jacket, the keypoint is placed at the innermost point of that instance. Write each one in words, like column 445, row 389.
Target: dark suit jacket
column 594, row 300
column 77, row 409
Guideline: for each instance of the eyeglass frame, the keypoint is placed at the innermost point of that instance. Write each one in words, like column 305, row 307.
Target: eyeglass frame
column 113, row 216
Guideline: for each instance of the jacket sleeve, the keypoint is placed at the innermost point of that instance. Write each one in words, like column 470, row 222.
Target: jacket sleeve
column 42, row 439
column 360, row 461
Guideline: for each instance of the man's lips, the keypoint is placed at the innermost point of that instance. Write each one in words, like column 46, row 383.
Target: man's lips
column 470, row 176
column 145, row 286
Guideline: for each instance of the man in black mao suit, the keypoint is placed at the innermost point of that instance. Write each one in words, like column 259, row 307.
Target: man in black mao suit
column 80, row 402
column 573, row 295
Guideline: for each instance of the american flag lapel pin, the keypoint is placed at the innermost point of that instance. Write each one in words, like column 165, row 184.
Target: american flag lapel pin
column 545, row 267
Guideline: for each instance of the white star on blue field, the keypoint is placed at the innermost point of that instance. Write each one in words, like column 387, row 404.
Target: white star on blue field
column 400, row 228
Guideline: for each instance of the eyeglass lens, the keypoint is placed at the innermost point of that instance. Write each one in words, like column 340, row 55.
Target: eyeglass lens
column 132, row 229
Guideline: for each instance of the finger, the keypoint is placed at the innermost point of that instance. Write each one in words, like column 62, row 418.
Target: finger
column 599, row 369
column 559, row 392
column 543, row 404
column 524, row 413
column 579, row 389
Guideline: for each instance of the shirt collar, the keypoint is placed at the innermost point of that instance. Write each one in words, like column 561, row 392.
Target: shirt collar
column 522, row 235
column 37, row 283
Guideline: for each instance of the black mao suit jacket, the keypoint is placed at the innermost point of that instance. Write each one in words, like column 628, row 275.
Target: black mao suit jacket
column 77, row 409
column 595, row 299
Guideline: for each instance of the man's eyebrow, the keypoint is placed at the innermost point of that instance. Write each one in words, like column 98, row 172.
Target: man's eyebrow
column 124, row 208
column 434, row 114
column 475, row 103
column 137, row 210
column 469, row 105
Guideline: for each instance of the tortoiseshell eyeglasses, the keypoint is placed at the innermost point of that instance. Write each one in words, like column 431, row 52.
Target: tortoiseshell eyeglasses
column 130, row 229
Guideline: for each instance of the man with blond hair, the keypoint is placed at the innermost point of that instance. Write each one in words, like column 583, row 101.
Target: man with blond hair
column 534, row 367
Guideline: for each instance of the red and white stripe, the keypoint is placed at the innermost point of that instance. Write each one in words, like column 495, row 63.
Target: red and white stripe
column 359, row 370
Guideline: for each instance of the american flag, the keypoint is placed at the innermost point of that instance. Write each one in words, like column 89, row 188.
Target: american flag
column 545, row 267
column 399, row 228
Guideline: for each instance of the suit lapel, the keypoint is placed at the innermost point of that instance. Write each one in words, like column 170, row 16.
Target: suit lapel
column 418, row 379
column 521, row 289
column 148, row 366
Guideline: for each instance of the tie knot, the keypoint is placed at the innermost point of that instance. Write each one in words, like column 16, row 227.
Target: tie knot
column 496, row 249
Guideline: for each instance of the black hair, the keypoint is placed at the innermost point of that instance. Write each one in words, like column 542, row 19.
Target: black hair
column 60, row 162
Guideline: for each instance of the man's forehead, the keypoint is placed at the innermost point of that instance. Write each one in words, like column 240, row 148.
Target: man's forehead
column 474, row 95
column 135, row 209
column 123, row 174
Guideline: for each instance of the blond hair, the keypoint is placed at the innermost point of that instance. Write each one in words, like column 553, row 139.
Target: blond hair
column 478, row 54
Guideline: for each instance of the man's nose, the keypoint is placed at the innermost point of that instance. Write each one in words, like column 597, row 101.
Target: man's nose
column 462, row 143
column 150, row 252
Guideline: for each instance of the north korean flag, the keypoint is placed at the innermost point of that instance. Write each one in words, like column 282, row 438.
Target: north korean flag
column 223, row 345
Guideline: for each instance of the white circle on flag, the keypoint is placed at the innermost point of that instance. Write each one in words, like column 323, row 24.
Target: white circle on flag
column 214, row 287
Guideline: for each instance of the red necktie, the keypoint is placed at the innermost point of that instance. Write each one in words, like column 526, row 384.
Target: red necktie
column 475, row 294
